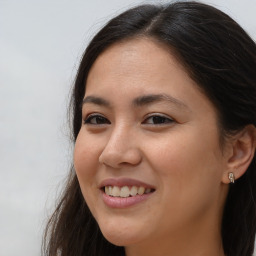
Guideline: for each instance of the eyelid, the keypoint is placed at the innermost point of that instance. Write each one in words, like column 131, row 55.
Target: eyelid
column 170, row 119
column 104, row 121
column 158, row 114
column 94, row 115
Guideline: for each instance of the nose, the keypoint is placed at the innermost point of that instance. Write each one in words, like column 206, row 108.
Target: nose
column 121, row 149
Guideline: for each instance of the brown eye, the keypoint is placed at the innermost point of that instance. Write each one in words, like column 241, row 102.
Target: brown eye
column 96, row 120
column 158, row 120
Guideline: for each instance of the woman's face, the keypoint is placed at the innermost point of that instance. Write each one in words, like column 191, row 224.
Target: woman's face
column 148, row 137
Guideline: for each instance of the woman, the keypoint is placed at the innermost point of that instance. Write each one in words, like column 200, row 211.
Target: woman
column 164, row 122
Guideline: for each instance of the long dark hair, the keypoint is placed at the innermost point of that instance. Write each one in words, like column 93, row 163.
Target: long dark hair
column 221, row 58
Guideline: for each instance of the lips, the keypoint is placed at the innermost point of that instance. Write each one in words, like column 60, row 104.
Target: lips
column 124, row 192
column 120, row 182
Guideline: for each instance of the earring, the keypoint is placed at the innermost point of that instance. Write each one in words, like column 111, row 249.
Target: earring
column 231, row 177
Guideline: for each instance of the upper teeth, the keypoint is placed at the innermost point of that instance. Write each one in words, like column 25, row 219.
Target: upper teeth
column 125, row 191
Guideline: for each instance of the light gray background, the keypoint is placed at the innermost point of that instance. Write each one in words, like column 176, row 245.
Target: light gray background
column 40, row 46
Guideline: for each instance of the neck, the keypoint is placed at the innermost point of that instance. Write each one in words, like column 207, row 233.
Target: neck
column 199, row 240
column 174, row 247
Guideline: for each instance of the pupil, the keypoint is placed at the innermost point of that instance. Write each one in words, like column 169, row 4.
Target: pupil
column 100, row 120
column 158, row 119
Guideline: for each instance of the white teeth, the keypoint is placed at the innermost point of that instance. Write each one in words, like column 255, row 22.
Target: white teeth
column 134, row 191
column 108, row 190
column 141, row 190
column 125, row 191
column 115, row 191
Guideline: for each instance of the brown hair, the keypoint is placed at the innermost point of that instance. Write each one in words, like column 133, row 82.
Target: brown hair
column 221, row 58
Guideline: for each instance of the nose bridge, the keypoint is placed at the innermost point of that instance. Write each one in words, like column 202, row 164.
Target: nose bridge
column 121, row 147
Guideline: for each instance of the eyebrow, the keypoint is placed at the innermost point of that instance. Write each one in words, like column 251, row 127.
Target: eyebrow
column 139, row 101
column 154, row 98
column 96, row 100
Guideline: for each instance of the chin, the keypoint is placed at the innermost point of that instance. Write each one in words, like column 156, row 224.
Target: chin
column 120, row 235
column 121, row 240
column 117, row 239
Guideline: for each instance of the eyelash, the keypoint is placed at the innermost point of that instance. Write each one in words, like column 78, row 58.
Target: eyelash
column 162, row 120
column 101, row 120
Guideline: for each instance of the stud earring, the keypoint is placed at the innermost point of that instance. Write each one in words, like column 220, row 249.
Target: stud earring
column 231, row 177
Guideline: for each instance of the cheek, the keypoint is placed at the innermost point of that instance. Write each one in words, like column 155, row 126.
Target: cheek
column 190, row 154
column 86, row 154
column 86, row 163
column 188, row 166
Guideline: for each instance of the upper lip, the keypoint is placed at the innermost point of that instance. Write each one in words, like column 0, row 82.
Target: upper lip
column 120, row 182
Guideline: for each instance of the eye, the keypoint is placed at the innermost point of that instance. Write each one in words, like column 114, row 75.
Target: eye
column 96, row 120
column 158, row 120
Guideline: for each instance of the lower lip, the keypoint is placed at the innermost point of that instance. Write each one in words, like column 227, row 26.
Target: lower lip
column 124, row 202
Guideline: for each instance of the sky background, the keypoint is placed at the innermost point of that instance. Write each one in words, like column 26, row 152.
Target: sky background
column 41, row 43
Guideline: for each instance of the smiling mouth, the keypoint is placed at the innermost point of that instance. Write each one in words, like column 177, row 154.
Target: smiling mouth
column 126, row 191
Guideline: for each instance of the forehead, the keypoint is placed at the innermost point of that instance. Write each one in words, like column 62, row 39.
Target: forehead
column 141, row 60
column 136, row 68
column 142, row 66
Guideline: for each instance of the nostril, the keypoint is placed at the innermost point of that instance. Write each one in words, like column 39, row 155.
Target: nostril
column 118, row 154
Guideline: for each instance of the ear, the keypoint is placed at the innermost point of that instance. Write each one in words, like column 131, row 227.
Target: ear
column 241, row 152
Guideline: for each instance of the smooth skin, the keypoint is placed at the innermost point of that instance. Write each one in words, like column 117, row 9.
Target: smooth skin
column 171, row 142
